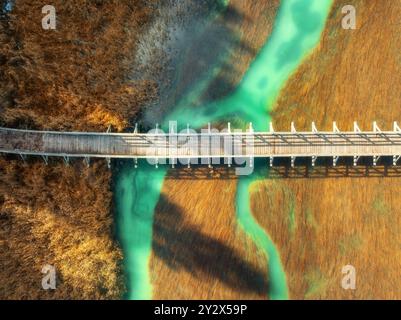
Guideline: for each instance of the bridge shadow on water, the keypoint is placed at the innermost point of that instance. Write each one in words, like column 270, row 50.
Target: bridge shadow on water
column 182, row 245
column 303, row 169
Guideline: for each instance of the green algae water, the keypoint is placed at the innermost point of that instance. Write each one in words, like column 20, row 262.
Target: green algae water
column 137, row 192
column 277, row 279
column 296, row 32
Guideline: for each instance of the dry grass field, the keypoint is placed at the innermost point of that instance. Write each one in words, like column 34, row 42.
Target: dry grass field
column 79, row 78
column 198, row 250
column 320, row 225
column 58, row 216
column 74, row 78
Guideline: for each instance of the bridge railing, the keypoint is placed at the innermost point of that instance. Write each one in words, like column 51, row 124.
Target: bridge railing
column 191, row 145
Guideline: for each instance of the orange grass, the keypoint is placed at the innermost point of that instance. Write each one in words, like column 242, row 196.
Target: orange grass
column 74, row 78
column 353, row 75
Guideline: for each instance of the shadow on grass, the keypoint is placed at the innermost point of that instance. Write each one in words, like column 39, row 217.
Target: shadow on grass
column 302, row 169
column 182, row 245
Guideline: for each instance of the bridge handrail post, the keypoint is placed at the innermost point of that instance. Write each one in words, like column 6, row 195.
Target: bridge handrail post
column 314, row 129
column 229, row 159
column 335, row 128
column 376, row 127
column 251, row 131
column 188, row 148
column 356, row 127
column 271, row 129
column 293, row 130
column 209, row 129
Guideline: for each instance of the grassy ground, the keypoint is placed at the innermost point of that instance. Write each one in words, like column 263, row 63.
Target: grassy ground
column 74, row 78
column 320, row 225
column 69, row 80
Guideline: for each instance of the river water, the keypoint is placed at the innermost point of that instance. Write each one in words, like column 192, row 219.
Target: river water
column 297, row 30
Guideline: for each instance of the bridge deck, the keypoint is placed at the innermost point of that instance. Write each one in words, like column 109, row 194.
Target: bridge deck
column 200, row 145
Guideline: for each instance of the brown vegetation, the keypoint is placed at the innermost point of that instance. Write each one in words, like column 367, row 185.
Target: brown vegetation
column 198, row 250
column 74, row 78
column 320, row 225
column 60, row 216
column 77, row 76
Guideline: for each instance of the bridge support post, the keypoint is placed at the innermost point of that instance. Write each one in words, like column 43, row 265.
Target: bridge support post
column 395, row 160
column 135, row 163
column 375, row 160
column 356, row 158
column 45, row 159
column 108, row 161
column 314, row 158
column 87, row 161
column 335, row 160
column 23, row 157
column 271, row 162
column 293, row 162
column 66, row 160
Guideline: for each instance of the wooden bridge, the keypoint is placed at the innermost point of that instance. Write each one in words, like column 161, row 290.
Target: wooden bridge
column 207, row 145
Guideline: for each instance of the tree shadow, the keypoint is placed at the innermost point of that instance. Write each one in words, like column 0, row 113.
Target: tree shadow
column 213, row 49
column 182, row 245
column 198, row 69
